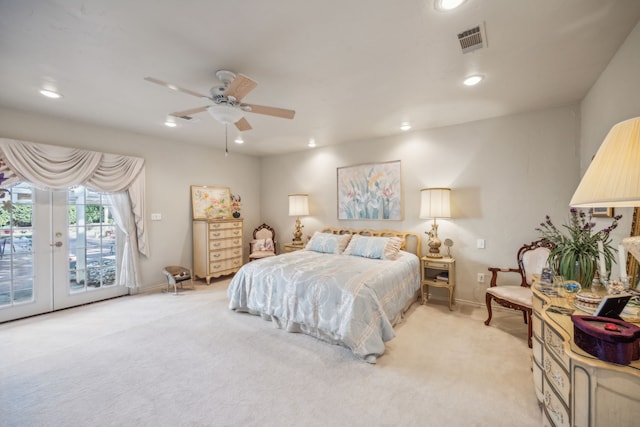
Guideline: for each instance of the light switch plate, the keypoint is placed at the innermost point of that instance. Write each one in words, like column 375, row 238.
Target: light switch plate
column 480, row 243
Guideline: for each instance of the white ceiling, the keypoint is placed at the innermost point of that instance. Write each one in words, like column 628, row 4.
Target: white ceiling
column 352, row 69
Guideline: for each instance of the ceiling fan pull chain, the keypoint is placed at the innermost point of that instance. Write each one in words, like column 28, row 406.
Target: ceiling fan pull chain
column 226, row 149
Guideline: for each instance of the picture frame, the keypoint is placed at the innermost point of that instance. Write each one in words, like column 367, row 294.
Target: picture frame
column 612, row 305
column 210, row 202
column 370, row 191
column 603, row 212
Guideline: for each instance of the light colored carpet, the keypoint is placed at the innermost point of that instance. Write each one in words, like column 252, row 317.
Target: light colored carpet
column 162, row 360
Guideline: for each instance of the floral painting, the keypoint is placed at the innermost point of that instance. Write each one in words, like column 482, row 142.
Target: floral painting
column 370, row 191
column 210, row 202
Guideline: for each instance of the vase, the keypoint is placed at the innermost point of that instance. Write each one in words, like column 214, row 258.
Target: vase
column 582, row 273
column 236, row 214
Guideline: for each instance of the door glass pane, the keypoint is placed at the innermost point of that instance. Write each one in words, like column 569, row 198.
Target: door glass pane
column 92, row 241
column 16, row 255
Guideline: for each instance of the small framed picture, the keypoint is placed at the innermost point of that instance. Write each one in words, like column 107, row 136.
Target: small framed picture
column 546, row 276
column 603, row 212
column 210, row 202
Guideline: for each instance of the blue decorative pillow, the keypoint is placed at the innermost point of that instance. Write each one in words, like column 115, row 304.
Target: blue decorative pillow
column 374, row 247
column 328, row 243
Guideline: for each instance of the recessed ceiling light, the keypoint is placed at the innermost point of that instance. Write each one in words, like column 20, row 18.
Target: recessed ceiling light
column 170, row 124
column 239, row 140
column 50, row 94
column 312, row 143
column 446, row 5
column 473, row 80
column 405, row 126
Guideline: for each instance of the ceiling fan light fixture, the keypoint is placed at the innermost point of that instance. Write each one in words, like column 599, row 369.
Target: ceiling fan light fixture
column 170, row 124
column 405, row 126
column 239, row 140
column 225, row 114
column 312, row 143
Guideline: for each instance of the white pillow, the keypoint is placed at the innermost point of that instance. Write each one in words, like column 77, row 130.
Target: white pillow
column 328, row 243
column 374, row 247
column 262, row 245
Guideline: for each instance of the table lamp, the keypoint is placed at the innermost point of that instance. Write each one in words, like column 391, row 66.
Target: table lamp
column 613, row 177
column 434, row 203
column 298, row 206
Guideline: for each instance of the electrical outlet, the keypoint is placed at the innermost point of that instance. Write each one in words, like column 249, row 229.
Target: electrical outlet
column 156, row 217
column 480, row 277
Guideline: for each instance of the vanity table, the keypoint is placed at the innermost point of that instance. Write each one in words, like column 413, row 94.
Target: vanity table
column 573, row 387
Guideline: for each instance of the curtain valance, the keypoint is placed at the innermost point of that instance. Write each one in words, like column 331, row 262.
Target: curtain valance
column 51, row 167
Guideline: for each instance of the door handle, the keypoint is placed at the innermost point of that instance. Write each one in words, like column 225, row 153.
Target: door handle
column 56, row 244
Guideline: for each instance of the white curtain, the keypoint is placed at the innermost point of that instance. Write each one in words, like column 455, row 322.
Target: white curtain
column 51, row 167
column 123, row 217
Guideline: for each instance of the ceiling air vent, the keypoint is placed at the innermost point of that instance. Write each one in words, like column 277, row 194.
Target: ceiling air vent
column 189, row 119
column 472, row 39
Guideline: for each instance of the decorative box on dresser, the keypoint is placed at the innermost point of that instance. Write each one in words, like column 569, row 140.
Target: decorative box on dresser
column 574, row 387
column 217, row 247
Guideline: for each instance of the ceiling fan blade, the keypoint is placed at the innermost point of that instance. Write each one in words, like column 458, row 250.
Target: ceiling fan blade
column 243, row 125
column 271, row 111
column 174, row 87
column 240, row 87
column 188, row 113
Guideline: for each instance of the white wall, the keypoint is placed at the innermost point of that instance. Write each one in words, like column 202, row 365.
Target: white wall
column 613, row 98
column 506, row 174
column 171, row 168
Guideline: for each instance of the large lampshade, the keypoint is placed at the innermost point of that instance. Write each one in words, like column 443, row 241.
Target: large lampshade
column 298, row 204
column 435, row 203
column 613, row 177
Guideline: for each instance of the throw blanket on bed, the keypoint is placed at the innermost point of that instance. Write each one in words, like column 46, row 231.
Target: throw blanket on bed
column 342, row 299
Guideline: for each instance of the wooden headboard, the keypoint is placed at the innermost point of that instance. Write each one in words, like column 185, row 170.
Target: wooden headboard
column 411, row 241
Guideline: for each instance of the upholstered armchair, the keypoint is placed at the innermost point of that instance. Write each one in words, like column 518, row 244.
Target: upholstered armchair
column 532, row 258
column 263, row 244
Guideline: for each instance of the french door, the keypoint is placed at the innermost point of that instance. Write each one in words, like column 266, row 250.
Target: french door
column 58, row 249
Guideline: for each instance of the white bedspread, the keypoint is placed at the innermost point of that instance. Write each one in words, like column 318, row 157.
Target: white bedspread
column 342, row 299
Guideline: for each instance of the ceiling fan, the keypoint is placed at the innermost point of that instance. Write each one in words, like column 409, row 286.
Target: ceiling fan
column 227, row 107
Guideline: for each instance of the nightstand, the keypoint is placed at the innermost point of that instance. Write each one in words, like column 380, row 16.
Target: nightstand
column 292, row 247
column 438, row 272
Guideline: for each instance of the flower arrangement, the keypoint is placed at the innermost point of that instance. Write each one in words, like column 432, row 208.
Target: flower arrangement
column 576, row 254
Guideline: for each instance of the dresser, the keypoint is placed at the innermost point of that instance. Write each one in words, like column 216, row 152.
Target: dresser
column 217, row 247
column 573, row 387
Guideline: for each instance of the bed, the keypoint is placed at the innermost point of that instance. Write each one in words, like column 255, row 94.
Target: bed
column 347, row 287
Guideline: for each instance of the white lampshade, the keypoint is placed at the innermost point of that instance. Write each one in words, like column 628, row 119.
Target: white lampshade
column 298, row 204
column 435, row 203
column 225, row 114
column 613, row 177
